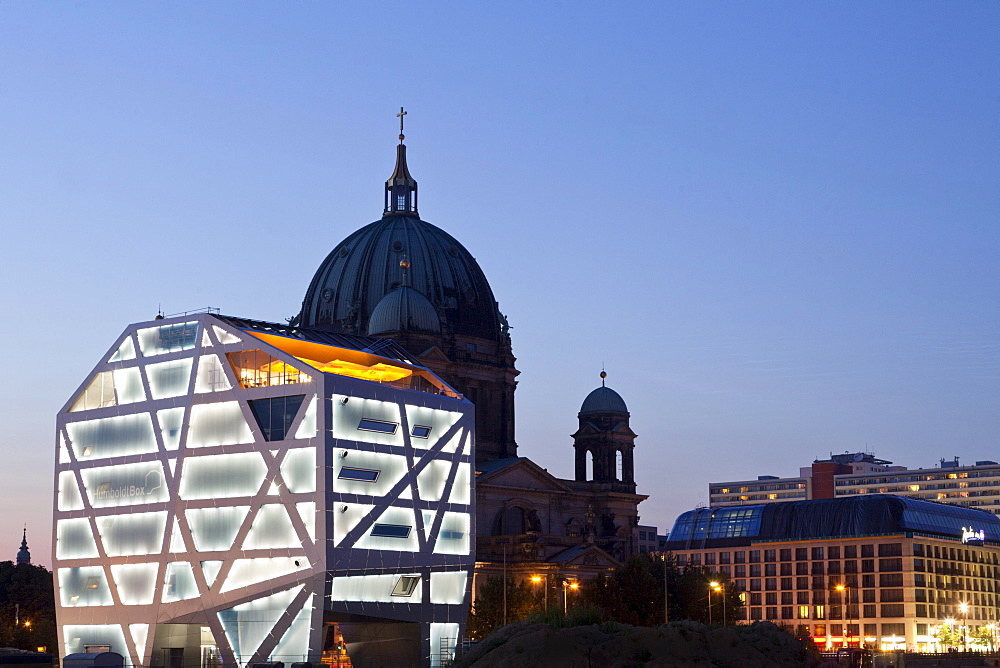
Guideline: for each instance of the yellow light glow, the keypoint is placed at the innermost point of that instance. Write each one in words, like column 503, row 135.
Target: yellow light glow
column 964, row 607
column 840, row 587
column 536, row 578
column 914, row 488
column 713, row 584
column 574, row 585
column 379, row 372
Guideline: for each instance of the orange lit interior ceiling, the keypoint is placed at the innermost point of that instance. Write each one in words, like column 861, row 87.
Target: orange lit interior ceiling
column 353, row 363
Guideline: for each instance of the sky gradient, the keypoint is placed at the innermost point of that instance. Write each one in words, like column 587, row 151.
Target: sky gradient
column 774, row 224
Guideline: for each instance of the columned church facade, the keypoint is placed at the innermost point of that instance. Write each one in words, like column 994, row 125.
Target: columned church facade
column 403, row 278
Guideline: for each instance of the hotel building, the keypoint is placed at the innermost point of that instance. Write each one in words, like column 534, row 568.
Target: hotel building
column 877, row 570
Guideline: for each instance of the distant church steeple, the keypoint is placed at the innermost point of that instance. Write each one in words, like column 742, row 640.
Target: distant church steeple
column 23, row 555
column 401, row 188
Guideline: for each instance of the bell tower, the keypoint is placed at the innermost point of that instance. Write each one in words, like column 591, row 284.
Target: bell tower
column 605, row 442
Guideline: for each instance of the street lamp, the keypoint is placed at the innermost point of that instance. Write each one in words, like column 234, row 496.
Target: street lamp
column 721, row 589
column 537, row 579
column 567, row 585
column 964, row 607
column 847, row 609
column 712, row 586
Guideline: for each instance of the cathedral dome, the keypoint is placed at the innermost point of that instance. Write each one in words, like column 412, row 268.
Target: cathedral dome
column 365, row 267
column 404, row 309
column 603, row 400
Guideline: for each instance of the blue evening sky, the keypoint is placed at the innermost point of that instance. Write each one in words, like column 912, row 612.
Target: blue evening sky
column 775, row 224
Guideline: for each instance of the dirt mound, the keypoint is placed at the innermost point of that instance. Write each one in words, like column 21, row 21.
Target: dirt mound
column 609, row 645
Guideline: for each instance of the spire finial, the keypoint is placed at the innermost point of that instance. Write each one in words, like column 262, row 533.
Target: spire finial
column 400, row 117
column 404, row 264
column 604, row 375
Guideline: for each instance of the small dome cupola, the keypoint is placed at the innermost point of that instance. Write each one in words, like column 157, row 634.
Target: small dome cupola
column 401, row 188
column 404, row 310
column 605, row 442
column 603, row 400
column 23, row 555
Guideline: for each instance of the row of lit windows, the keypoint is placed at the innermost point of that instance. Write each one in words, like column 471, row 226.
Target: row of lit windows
column 916, row 477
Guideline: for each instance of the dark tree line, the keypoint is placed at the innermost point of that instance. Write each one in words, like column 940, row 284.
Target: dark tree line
column 631, row 594
column 27, row 607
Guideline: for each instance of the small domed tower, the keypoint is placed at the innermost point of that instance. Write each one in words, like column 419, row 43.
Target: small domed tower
column 605, row 436
column 23, row 555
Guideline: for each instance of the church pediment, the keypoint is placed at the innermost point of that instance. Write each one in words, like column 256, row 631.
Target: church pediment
column 524, row 474
column 586, row 555
column 433, row 354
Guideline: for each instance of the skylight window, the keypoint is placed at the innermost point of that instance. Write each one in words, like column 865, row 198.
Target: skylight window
column 364, row 475
column 390, row 531
column 419, row 431
column 377, row 425
column 405, row 585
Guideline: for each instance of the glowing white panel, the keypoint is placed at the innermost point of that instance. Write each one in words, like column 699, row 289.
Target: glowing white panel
column 461, row 488
column 455, row 442
column 211, row 570
column 140, row 632
column 307, row 428
column 453, row 538
column 84, row 586
column 347, row 417
column 171, row 420
column 69, row 492
column 167, row 338
column 374, row 588
column 467, row 448
column 211, row 377
column 99, row 394
column 248, row 624
column 205, row 341
column 74, row 539
column 138, row 533
column 135, row 582
column 112, row 437
column 298, row 469
column 128, row 385
column 448, row 588
column 126, row 351
column 307, row 511
column 179, row 583
column 169, row 379
column 428, row 517
column 176, row 540
column 222, row 476
column 294, row 644
column 63, row 450
column 393, row 517
column 215, row 528
column 218, row 424
column 438, row 421
column 431, row 481
column 125, row 485
column 391, row 470
column 345, row 517
column 246, row 572
column 272, row 528
column 223, row 336
column 75, row 636
column 444, row 636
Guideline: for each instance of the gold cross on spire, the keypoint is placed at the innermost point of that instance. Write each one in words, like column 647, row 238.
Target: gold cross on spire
column 400, row 117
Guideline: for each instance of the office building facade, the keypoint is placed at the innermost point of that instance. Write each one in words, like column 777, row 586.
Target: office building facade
column 231, row 492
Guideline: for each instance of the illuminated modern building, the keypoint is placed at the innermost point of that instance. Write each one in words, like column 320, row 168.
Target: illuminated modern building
column 851, row 474
column 876, row 570
column 230, row 491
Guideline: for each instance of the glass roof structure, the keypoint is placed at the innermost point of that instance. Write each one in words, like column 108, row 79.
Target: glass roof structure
column 874, row 514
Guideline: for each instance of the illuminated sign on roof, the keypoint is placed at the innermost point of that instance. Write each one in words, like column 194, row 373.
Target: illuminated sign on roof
column 970, row 535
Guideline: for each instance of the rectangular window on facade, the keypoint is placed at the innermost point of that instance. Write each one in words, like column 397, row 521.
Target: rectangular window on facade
column 723, row 557
column 871, row 630
column 851, row 566
column 770, row 584
column 787, row 597
column 918, row 550
column 890, row 580
column 419, row 431
column 892, row 595
column 867, row 551
column 755, row 585
column 786, row 583
column 819, row 612
column 770, row 569
column 785, row 555
column 363, row 475
column 390, row 531
column 802, row 583
column 802, row 568
column 755, row 599
column 770, row 598
column 367, row 424
column 803, row 612
column 801, row 553
column 755, row 614
column 754, row 556
column 739, row 557
column 890, row 550
column 892, row 610
column 819, row 630
column 787, row 612
column 920, row 595
column 755, row 570
column 890, row 565
column 817, row 568
column 817, row 553
column 741, row 571
column 405, row 585
column 921, row 612
column 850, row 552
column 867, row 565
column 833, row 568
column 709, row 558
column 772, row 613
column 769, row 555
column 867, row 581
column 802, row 597
column 786, row 569
column 833, row 552
column 868, row 611
column 868, row 595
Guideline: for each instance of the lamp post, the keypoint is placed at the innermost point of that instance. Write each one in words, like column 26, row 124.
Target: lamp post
column 721, row 589
column 847, row 609
column 712, row 586
column 666, row 613
column 536, row 579
column 964, row 607
column 567, row 585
